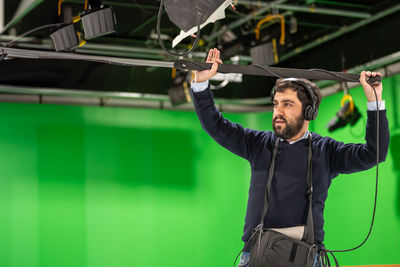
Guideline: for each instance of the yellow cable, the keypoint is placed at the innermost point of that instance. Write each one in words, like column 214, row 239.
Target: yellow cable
column 268, row 18
column 282, row 40
column 59, row 6
column 275, row 50
column 86, row 5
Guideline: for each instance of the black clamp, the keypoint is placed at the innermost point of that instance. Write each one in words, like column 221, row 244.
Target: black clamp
column 3, row 55
column 309, row 191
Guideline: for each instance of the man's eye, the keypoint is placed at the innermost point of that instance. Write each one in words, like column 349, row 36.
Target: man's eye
column 288, row 105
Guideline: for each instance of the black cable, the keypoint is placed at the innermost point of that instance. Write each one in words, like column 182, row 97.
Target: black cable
column 267, row 69
column 358, row 135
column 234, row 263
column 159, row 31
column 34, row 30
column 377, row 172
column 335, row 74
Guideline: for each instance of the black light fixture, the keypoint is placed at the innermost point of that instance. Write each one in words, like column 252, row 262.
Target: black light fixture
column 179, row 90
column 348, row 114
column 265, row 54
column 99, row 22
column 65, row 38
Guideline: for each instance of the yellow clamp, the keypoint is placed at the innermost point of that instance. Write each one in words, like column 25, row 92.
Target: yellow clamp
column 350, row 99
column 81, row 40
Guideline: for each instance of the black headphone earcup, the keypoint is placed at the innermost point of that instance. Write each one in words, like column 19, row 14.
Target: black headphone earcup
column 309, row 112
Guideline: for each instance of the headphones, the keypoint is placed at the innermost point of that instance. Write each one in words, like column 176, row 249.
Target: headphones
column 310, row 111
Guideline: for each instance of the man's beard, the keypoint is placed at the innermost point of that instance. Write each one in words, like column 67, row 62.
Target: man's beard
column 290, row 130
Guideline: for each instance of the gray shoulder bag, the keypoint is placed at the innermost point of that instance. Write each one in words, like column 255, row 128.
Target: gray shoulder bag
column 273, row 249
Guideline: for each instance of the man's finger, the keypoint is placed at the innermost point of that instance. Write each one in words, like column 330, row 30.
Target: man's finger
column 210, row 55
column 362, row 77
column 214, row 54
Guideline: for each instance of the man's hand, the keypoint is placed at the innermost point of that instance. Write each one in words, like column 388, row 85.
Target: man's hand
column 367, row 87
column 213, row 57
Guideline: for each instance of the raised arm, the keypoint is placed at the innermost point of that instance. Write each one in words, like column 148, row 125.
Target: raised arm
column 228, row 134
column 348, row 158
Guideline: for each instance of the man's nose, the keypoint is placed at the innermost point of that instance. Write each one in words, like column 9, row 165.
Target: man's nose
column 278, row 110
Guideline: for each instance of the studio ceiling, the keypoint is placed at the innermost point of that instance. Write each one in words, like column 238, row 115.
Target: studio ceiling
column 334, row 35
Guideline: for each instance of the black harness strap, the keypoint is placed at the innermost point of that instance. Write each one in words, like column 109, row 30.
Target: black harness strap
column 308, row 235
column 311, row 74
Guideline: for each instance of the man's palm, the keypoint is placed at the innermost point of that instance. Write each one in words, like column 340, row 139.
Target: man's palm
column 213, row 57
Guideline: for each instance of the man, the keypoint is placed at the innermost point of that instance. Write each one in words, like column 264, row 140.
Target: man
column 292, row 101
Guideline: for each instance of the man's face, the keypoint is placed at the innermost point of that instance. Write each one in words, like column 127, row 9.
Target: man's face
column 288, row 117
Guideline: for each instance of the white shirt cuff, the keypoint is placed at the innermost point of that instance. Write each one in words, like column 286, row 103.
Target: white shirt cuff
column 372, row 105
column 198, row 87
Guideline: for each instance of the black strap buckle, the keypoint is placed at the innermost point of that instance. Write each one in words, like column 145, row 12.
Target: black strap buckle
column 309, row 191
column 3, row 55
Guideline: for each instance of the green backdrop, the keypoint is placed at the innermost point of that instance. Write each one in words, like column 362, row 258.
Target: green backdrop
column 94, row 186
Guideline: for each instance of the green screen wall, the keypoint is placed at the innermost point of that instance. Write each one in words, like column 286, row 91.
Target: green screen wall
column 94, row 186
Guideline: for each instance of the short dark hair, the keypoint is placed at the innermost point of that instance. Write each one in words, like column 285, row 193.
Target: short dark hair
column 302, row 93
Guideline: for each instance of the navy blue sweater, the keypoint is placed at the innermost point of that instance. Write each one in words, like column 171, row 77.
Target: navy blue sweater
column 288, row 201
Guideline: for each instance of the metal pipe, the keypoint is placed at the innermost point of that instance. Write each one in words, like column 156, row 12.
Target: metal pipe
column 234, row 105
column 70, row 96
column 264, row 7
column 315, row 10
column 343, row 30
column 1, row 15
column 111, row 50
column 24, row 8
column 318, row 25
column 326, row 11
column 114, row 3
column 336, row 3
column 372, row 65
column 36, row 54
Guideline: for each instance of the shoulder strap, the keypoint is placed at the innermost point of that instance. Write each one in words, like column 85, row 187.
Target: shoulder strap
column 309, row 227
column 271, row 174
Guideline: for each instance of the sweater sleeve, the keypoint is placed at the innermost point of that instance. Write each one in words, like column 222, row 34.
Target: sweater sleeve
column 230, row 135
column 349, row 158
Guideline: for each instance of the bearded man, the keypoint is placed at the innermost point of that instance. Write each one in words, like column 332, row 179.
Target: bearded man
column 296, row 102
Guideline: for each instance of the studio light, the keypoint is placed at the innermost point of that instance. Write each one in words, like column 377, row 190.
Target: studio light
column 65, row 38
column 265, row 54
column 179, row 89
column 99, row 22
column 348, row 114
